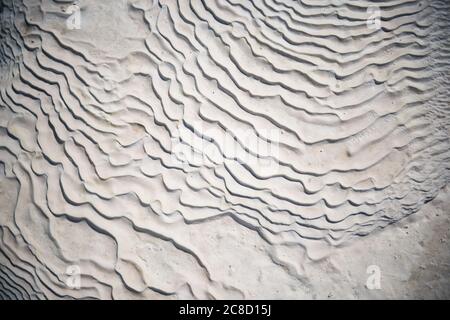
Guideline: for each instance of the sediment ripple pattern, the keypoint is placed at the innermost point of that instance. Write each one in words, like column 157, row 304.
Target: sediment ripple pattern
column 90, row 118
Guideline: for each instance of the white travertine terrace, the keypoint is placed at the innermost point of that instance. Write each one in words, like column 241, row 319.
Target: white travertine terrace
column 353, row 97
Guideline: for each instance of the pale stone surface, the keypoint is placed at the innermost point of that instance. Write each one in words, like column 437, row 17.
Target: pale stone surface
column 174, row 149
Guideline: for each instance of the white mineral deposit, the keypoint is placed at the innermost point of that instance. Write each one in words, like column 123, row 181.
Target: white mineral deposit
column 224, row 149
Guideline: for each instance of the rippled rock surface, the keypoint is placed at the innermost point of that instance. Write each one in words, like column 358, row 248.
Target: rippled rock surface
column 207, row 148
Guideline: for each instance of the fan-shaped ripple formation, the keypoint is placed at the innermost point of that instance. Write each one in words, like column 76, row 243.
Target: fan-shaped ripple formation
column 141, row 140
